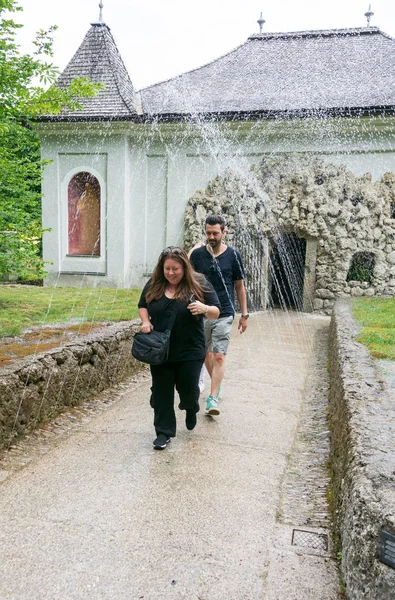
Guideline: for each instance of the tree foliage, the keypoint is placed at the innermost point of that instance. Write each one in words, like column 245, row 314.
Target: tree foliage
column 27, row 90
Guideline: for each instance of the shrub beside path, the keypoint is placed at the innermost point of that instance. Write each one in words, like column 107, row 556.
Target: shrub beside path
column 99, row 514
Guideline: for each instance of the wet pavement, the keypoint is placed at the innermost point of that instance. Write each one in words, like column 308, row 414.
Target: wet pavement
column 387, row 370
column 89, row 510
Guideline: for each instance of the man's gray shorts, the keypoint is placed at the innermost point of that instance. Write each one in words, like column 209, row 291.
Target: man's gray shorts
column 217, row 332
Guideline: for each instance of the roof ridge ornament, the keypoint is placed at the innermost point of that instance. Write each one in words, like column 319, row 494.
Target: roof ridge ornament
column 369, row 14
column 261, row 22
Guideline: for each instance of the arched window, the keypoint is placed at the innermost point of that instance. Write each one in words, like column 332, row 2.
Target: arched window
column 362, row 267
column 84, row 215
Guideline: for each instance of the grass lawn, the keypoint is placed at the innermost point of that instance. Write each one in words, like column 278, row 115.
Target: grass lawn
column 23, row 307
column 377, row 317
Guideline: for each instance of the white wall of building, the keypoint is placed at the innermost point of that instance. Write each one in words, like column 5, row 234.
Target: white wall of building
column 147, row 174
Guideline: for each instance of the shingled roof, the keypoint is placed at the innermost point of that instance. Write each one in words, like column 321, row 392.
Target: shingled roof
column 98, row 58
column 338, row 71
column 286, row 72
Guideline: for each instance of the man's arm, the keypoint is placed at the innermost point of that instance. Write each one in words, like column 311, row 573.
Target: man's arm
column 242, row 298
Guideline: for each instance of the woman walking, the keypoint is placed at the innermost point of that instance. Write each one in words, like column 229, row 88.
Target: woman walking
column 178, row 298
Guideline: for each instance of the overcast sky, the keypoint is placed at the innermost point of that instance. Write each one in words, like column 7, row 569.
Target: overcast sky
column 162, row 38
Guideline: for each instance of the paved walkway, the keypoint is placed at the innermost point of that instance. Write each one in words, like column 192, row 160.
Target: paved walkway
column 102, row 515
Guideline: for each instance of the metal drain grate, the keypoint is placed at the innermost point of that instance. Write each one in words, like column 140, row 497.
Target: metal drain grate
column 387, row 548
column 309, row 539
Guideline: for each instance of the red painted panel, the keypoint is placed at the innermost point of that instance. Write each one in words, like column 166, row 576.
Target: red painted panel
column 84, row 215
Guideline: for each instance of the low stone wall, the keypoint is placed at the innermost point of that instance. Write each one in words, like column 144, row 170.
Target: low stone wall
column 38, row 388
column 362, row 422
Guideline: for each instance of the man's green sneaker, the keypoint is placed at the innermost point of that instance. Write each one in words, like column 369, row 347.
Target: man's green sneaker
column 212, row 406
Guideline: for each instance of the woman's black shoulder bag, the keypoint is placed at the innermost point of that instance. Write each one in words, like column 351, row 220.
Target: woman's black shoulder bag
column 153, row 348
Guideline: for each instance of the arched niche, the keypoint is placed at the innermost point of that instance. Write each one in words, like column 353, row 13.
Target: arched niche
column 361, row 267
column 83, row 198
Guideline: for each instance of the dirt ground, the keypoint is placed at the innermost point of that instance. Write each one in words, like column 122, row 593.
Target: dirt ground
column 41, row 339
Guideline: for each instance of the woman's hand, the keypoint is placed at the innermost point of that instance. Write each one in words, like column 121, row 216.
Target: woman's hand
column 146, row 327
column 198, row 308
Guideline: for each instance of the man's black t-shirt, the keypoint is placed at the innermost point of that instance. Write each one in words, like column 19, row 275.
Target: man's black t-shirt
column 221, row 271
column 187, row 341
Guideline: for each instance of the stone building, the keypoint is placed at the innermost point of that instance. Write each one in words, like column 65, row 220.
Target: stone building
column 124, row 168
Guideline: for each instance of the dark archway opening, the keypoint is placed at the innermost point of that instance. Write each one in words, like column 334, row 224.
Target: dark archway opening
column 286, row 267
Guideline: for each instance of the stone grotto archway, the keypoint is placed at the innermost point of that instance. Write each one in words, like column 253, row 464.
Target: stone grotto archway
column 336, row 212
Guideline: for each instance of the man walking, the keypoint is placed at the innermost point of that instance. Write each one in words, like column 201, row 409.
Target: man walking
column 223, row 267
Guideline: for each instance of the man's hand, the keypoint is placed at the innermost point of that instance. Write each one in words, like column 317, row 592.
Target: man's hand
column 243, row 324
column 242, row 298
column 146, row 327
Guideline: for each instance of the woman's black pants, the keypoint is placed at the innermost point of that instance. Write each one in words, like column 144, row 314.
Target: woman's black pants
column 184, row 376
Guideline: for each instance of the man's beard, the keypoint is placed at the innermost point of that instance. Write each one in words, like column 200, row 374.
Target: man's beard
column 214, row 244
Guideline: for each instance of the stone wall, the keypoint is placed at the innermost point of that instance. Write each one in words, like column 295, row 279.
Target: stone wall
column 362, row 424
column 344, row 214
column 36, row 389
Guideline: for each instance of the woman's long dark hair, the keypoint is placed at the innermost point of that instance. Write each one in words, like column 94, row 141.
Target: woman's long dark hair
column 191, row 282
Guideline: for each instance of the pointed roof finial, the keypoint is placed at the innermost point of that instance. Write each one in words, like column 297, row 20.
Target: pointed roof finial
column 260, row 22
column 100, row 22
column 369, row 14
column 101, row 11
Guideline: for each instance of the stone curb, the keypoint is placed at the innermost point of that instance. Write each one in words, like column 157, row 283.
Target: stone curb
column 36, row 389
column 362, row 423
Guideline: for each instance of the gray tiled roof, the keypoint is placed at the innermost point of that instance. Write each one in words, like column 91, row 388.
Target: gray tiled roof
column 338, row 69
column 98, row 58
column 310, row 70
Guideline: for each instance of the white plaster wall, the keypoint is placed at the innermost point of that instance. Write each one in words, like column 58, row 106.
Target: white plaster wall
column 163, row 179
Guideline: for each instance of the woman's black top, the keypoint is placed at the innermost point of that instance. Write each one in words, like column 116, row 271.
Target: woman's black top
column 187, row 341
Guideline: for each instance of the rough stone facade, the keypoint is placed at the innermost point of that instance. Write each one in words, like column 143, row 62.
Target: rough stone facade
column 343, row 218
column 36, row 389
column 362, row 425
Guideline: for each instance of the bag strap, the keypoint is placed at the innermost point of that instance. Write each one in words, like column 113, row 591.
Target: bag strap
column 221, row 276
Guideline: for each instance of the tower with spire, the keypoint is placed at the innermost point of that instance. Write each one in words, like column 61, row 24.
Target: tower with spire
column 99, row 60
